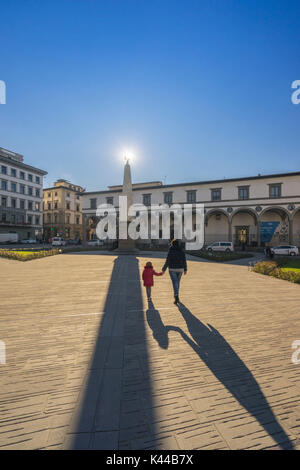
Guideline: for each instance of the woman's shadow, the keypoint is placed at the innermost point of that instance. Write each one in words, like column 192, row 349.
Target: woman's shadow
column 225, row 364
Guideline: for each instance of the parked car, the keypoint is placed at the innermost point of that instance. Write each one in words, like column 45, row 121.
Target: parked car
column 29, row 240
column 72, row 241
column 96, row 242
column 58, row 241
column 220, row 246
column 289, row 250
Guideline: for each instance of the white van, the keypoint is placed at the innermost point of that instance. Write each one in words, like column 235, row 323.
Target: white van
column 58, row 241
column 221, row 246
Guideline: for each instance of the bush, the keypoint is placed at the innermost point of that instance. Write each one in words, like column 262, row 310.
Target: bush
column 28, row 255
column 220, row 255
column 273, row 268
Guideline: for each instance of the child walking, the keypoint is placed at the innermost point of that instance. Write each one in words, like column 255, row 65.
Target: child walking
column 147, row 276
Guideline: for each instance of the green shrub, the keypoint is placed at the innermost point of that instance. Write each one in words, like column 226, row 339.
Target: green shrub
column 220, row 255
column 28, row 255
column 273, row 268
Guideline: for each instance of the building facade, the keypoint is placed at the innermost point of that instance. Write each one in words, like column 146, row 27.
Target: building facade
column 21, row 196
column 255, row 210
column 62, row 210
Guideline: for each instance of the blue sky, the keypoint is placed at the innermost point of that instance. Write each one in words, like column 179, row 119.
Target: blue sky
column 197, row 89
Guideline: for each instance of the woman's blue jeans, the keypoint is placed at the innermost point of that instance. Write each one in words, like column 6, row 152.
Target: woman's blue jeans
column 175, row 278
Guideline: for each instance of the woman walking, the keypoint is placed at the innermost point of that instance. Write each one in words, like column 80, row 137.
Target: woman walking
column 176, row 262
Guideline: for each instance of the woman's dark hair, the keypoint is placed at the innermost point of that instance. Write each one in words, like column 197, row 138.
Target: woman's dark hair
column 175, row 242
column 149, row 264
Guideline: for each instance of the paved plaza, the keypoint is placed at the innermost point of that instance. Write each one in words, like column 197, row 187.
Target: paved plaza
column 90, row 365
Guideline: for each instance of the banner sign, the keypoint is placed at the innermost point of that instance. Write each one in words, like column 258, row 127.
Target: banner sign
column 267, row 230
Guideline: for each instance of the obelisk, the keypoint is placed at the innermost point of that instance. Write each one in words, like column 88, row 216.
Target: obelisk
column 127, row 245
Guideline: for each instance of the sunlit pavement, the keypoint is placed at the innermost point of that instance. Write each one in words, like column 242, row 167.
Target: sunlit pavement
column 90, row 365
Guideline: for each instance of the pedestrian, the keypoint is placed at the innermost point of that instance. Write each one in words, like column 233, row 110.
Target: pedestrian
column 268, row 252
column 176, row 262
column 147, row 276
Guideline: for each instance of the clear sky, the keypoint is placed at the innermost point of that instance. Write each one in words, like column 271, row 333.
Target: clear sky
column 197, row 89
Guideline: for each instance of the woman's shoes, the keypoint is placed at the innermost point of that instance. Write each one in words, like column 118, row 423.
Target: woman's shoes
column 176, row 300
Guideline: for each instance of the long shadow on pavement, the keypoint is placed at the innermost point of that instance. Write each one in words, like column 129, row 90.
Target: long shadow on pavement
column 213, row 349
column 110, row 409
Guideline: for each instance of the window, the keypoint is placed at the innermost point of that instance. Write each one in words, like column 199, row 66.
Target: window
column 275, row 190
column 37, row 179
column 168, row 198
column 216, row 194
column 37, row 193
column 78, row 208
column 49, row 194
column 49, row 218
column 29, row 219
column 244, row 192
column 30, row 190
column 13, row 187
column 77, row 220
column 37, row 220
column 55, row 218
column 110, row 200
column 13, row 172
column 3, row 169
column 4, row 202
column 22, row 204
column 55, row 194
column 55, row 205
column 22, row 175
column 147, row 199
column 68, row 219
column 49, row 206
column 93, row 203
column 68, row 194
column 22, row 189
column 13, row 203
column 37, row 206
column 68, row 205
column 3, row 216
column 29, row 177
column 191, row 197
column 30, row 206
column 4, row 185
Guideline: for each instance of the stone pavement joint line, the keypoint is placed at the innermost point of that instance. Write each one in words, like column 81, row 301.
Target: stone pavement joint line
column 90, row 365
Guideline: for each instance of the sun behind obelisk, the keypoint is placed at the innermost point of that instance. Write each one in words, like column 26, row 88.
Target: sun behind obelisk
column 127, row 246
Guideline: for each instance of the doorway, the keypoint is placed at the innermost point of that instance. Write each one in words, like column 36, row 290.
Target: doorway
column 242, row 235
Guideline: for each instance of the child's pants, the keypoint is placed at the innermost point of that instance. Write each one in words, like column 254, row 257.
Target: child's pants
column 148, row 290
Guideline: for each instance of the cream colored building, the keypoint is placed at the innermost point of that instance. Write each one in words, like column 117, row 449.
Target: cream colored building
column 62, row 210
column 257, row 210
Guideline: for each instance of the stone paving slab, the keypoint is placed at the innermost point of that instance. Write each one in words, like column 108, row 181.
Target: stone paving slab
column 91, row 365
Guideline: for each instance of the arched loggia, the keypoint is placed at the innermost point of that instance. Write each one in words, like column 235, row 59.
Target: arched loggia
column 245, row 227
column 216, row 226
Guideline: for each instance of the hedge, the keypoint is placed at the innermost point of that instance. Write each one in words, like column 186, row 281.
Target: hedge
column 28, row 255
column 220, row 255
column 273, row 268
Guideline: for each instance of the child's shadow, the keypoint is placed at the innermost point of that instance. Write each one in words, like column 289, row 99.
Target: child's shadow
column 159, row 330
